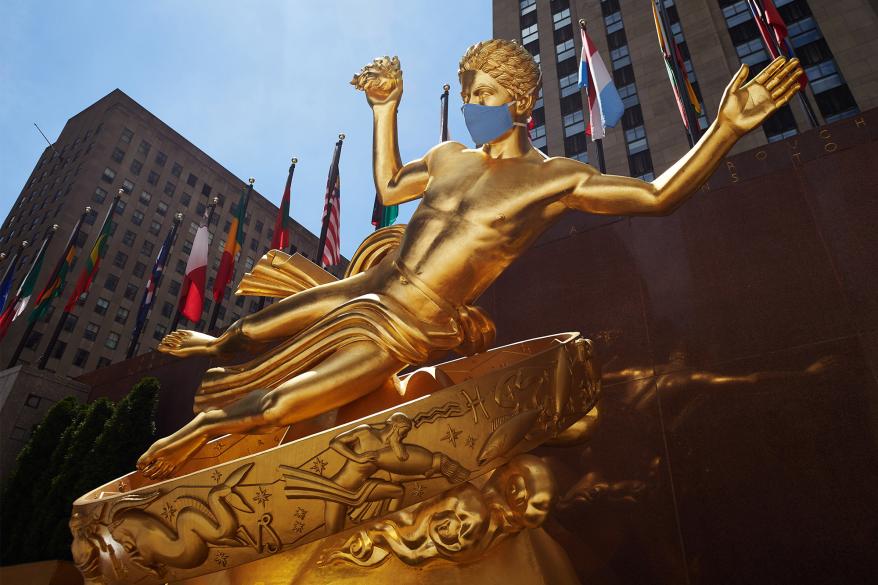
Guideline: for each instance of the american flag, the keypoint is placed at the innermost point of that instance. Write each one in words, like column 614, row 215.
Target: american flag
column 331, row 205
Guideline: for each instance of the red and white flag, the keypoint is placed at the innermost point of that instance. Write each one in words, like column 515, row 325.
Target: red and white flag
column 331, row 205
column 192, row 292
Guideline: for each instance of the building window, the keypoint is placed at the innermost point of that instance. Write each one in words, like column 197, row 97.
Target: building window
column 206, row 189
column 128, row 186
column 131, row 290
column 33, row 340
column 144, row 148
column 159, row 332
column 121, row 315
column 101, row 306
column 70, row 323
column 103, row 362
column 181, row 267
column 527, row 6
column 185, row 198
column 167, row 310
column 161, row 158
column 174, row 287
column 529, row 34
column 127, row 135
column 120, row 260
column 162, row 208
column 147, row 247
column 254, row 244
column 145, row 197
column 191, row 180
column 91, row 331
column 187, row 246
column 90, row 218
column 129, row 237
column 170, row 188
column 139, row 269
column 239, row 301
column 118, row 155
column 108, row 176
column 59, row 350
column 176, row 169
column 33, row 401
column 111, row 282
column 137, row 217
column 80, row 357
column 112, row 340
column 152, row 178
column 99, row 195
column 154, row 228
column 258, row 226
column 136, row 166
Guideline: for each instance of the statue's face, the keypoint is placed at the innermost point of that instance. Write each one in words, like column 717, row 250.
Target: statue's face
column 477, row 87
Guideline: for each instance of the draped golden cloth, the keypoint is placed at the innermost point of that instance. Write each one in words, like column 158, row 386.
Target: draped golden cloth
column 374, row 317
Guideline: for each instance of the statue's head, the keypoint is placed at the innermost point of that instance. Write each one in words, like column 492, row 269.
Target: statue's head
column 395, row 431
column 498, row 72
column 522, row 492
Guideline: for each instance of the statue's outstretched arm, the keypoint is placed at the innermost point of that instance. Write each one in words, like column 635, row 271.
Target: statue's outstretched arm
column 395, row 183
column 743, row 108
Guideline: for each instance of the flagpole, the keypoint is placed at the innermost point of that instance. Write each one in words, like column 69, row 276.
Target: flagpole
column 218, row 303
column 599, row 143
column 66, row 313
column 443, row 126
column 330, row 184
column 758, row 10
column 139, row 325
column 693, row 132
column 179, row 314
column 71, row 242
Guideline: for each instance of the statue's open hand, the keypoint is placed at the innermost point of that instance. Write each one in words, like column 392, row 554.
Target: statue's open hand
column 746, row 106
column 381, row 80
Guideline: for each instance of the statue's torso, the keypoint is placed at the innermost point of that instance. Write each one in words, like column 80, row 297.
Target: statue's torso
column 477, row 215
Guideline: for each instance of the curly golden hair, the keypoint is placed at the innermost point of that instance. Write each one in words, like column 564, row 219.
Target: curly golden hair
column 510, row 64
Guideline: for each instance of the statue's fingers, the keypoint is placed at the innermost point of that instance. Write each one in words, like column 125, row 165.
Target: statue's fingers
column 740, row 77
column 781, row 75
column 785, row 98
column 766, row 73
column 780, row 90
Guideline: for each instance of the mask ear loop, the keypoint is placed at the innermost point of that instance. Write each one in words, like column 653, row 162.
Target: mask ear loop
column 536, row 90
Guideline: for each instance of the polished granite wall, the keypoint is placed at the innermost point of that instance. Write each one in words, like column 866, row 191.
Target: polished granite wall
column 737, row 437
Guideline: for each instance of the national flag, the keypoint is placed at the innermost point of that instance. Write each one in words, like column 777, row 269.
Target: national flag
column 234, row 243
column 192, row 292
column 774, row 32
column 329, row 245
column 19, row 302
column 58, row 277
column 155, row 276
column 93, row 262
column 6, row 284
column 331, row 212
column 670, row 50
column 605, row 107
column 281, row 238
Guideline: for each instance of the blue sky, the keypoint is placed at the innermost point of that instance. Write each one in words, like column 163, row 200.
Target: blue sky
column 250, row 83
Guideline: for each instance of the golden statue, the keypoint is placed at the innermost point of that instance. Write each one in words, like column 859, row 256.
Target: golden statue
column 481, row 208
column 431, row 468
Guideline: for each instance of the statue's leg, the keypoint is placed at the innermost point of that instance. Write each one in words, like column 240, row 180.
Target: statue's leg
column 346, row 375
column 278, row 321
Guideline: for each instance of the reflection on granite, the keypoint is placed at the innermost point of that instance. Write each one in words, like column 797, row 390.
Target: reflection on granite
column 737, row 437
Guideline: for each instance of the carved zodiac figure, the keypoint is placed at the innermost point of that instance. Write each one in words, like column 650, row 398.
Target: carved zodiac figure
column 461, row 524
column 153, row 545
column 480, row 209
column 368, row 449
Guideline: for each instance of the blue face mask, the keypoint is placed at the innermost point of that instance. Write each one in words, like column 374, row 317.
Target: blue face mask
column 486, row 123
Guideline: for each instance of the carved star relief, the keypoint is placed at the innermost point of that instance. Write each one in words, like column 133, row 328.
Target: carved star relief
column 261, row 496
column 318, row 465
column 451, row 436
column 471, row 442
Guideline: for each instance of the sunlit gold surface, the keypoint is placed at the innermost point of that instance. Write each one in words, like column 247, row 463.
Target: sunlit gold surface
column 247, row 506
column 406, row 299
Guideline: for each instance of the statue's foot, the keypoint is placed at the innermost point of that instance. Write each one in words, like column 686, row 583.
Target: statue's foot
column 165, row 455
column 183, row 343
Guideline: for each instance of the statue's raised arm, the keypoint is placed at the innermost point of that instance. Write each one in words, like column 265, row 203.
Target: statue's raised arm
column 744, row 106
column 381, row 80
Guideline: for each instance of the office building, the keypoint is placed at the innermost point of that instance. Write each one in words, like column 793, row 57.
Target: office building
column 116, row 143
column 835, row 40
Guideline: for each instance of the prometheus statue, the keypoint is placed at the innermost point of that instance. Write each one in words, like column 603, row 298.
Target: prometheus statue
column 480, row 209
